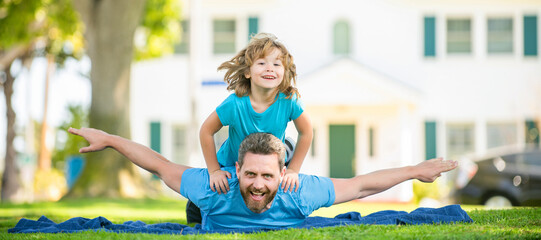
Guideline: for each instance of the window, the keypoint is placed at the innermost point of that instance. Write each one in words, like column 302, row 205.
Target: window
column 341, row 38
column 460, row 139
column 459, row 36
column 224, row 36
column 500, row 35
column 501, row 134
column 533, row 159
column 430, row 36
column 183, row 46
column 527, row 160
column 180, row 147
column 512, row 159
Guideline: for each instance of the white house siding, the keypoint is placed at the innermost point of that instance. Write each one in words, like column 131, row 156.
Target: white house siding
column 386, row 83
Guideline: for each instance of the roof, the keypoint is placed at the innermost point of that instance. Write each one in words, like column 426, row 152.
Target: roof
column 348, row 82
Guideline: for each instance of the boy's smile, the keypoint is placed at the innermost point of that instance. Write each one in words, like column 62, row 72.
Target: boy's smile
column 268, row 72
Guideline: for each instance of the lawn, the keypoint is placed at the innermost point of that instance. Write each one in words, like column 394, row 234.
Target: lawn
column 488, row 224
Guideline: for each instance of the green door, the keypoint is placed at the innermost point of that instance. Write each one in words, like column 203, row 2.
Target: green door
column 342, row 151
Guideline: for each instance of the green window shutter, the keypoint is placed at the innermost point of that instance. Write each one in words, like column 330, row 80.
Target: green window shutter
column 530, row 35
column 532, row 132
column 155, row 136
column 430, row 140
column 430, row 36
column 253, row 27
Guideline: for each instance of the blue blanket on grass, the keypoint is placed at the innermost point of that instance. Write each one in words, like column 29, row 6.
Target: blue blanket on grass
column 444, row 215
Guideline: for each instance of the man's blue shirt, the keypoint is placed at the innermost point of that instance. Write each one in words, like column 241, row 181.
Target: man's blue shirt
column 228, row 211
column 239, row 115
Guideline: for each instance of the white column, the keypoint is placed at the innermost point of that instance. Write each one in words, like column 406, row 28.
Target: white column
column 441, row 138
column 194, row 83
column 479, row 35
column 480, row 136
column 406, row 151
column 361, row 146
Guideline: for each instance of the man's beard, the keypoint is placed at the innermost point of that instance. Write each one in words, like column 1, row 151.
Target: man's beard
column 257, row 206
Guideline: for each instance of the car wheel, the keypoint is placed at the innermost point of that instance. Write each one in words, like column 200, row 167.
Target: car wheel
column 498, row 202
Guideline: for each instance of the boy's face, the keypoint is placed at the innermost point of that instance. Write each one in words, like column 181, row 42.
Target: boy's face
column 268, row 72
column 259, row 179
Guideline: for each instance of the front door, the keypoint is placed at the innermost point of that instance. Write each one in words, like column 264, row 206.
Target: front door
column 342, row 151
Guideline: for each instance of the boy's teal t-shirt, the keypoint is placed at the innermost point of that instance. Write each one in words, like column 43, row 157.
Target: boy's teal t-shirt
column 238, row 114
column 228, row 211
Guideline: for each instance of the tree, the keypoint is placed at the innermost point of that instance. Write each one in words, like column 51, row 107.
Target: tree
column 29, row 29
column 14, row 43
column 110, row 29
column 62, row 39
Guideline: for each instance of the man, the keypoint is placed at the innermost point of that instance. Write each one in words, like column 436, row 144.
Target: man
column 254, row 199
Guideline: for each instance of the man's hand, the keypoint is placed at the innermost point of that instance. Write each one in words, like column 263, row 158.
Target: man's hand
column 429, row 170
column 290, row 181
column 218, row 181
column 97, row 139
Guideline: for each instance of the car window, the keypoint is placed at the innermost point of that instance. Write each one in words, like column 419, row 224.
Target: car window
column 532, row 159
column 512, row 158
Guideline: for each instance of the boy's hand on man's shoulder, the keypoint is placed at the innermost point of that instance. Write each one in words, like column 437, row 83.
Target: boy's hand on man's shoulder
column 290, row 181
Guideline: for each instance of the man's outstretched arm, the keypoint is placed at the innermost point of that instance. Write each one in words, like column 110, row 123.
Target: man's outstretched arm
column 142, row 156
column 365, row 185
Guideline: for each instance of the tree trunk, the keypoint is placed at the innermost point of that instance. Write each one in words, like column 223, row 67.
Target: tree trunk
column 44, row 160
column 7, row 57
column 10, row 179
column 110, row 27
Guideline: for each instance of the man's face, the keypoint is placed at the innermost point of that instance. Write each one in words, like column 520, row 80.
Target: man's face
column 259, row 179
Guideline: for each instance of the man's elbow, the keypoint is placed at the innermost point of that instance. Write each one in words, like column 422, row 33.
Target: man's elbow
column 364, row 193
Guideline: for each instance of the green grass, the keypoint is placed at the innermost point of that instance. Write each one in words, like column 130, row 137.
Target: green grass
column 488, row 224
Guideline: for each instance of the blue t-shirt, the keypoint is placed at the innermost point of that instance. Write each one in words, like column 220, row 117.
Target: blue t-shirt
column 228, row 211
column 238, row 114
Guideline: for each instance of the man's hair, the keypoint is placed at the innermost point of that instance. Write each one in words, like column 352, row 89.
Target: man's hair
column 264, row 144
column 260, row 45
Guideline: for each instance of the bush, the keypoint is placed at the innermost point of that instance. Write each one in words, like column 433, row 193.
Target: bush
column 426, row 190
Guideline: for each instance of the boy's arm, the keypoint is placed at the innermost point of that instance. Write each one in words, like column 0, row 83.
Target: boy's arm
column 304, row 128
column 218, row 178
column 142, row 156
column 365, row 185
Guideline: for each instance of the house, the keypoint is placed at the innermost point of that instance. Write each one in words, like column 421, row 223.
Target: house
column 386, row 83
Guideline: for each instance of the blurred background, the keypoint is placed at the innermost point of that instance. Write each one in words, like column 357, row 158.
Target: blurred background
column 386, row 83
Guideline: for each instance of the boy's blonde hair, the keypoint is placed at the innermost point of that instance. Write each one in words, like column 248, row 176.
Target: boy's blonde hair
column 260, row 45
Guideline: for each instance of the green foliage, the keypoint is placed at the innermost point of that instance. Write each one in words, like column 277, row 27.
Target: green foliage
column 49, row 185
column 63, row 30
column 425, row 190
column 52, row 23
column 159, row 29
column 68, row 144
column 17, row 21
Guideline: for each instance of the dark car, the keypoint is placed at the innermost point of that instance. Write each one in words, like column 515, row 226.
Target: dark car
column 500, row 179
